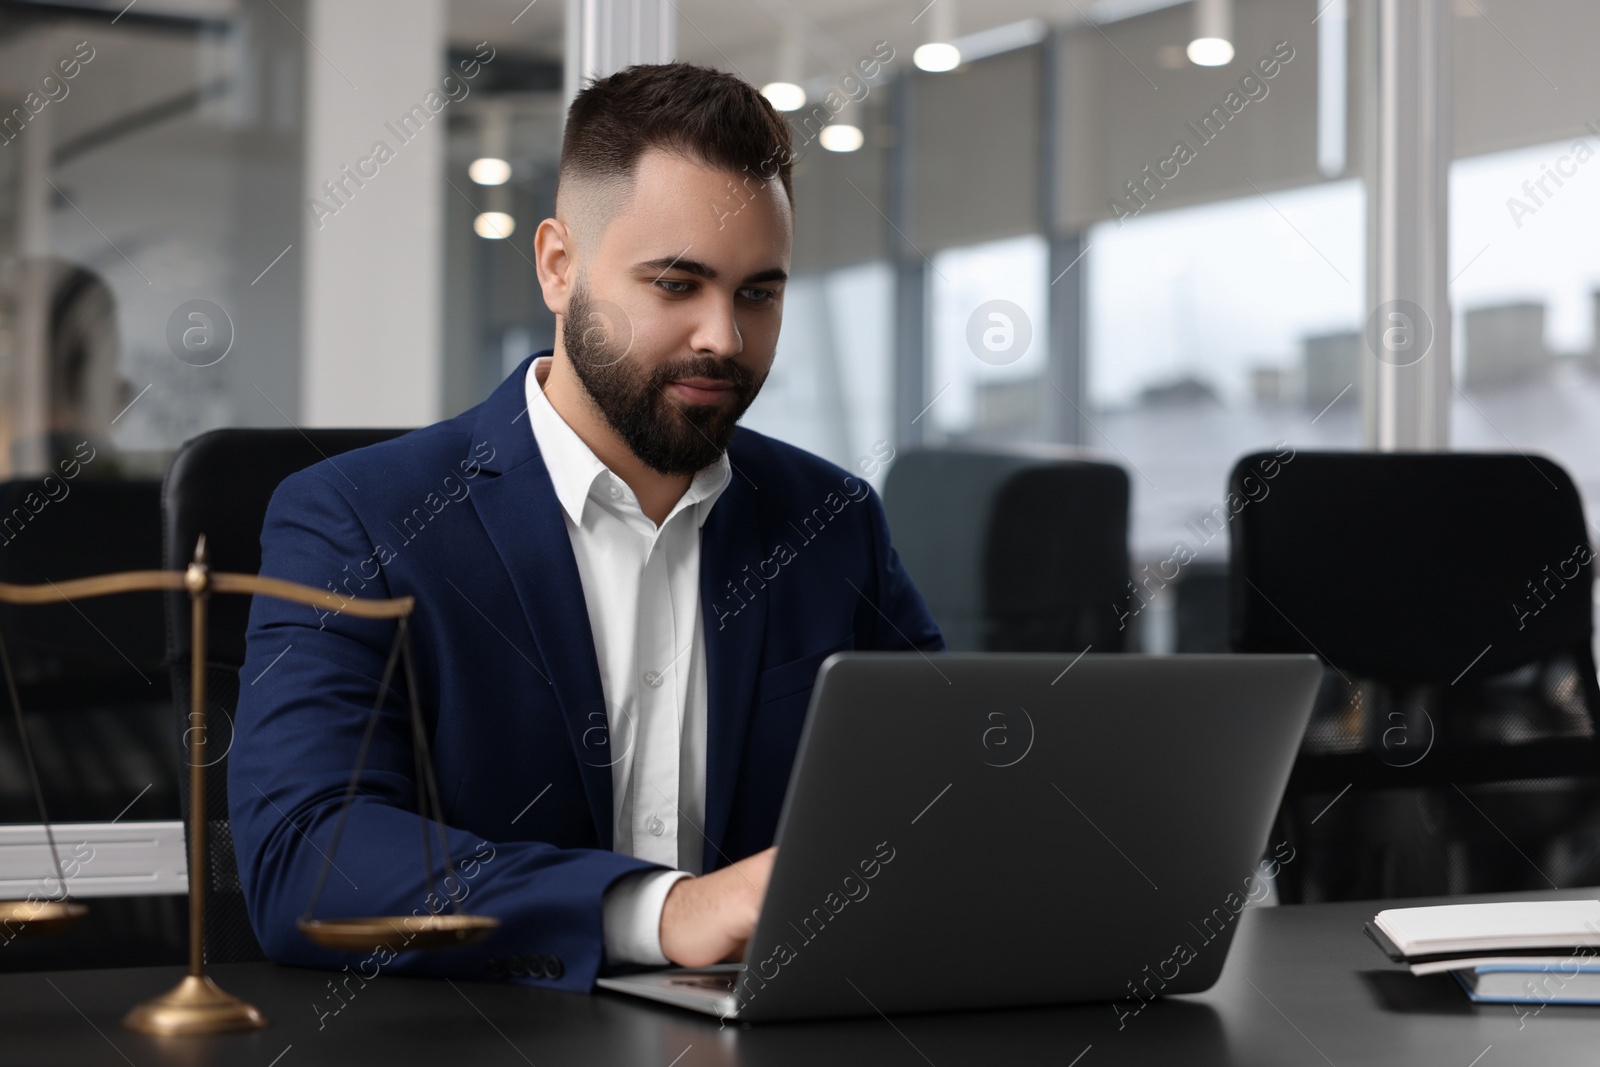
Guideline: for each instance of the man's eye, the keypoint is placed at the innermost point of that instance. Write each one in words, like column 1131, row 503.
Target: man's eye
column 759, row 296
column 668, row 285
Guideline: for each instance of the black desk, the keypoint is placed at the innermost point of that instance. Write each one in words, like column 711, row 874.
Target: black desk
column 1302, row 986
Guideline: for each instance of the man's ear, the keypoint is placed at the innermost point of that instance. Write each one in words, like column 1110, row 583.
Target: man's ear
column 555, row 258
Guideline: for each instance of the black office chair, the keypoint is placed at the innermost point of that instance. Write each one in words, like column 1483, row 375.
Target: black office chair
column 1202, row 607
column 1453, row 745
column 219, row 484
column 92, row 681
column 1014, row 551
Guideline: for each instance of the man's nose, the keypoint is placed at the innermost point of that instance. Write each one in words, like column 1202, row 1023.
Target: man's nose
column 717, row 331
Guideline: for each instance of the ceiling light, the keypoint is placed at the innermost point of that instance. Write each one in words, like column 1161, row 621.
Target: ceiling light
column 494, row 225
column 841, row 137
column 1210, row 52
column 489, row 171
column 784, row 91
column 937, row 56
column 938, row 52
column 1212, row 45
column 785, row 96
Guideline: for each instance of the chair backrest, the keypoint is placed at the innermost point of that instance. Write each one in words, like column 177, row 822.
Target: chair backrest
column 1014, row 551
column 52, row 529
column 1407, row 566
column 1450, row 595
column 92, row 679
column 91, row 673
column 1201, row 607
column 219, row 485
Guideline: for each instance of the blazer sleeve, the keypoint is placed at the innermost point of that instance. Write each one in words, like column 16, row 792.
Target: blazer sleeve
column 898, row 619
column 307, row 691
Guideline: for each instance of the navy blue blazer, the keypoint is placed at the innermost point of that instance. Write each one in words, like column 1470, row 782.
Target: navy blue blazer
column 795, row 564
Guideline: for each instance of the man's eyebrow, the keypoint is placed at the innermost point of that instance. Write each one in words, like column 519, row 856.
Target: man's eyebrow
column 705, row 270
column 678, row 262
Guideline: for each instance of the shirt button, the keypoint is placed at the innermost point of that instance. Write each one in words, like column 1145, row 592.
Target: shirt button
column 652, row 679
column 615, row 491
column 655, row 826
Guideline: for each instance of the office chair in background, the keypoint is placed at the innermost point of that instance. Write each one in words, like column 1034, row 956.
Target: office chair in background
column 1453, row 746
column 1023, row 551
column 219, row 484
column 91, row 679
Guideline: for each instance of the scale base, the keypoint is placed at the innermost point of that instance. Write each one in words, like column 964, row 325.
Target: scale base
column 196, row 1005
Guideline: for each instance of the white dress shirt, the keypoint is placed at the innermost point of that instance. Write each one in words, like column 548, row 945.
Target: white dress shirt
column 641, row 583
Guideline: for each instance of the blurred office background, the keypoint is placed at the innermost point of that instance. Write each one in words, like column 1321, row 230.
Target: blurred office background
column 1169, row 324
column 999, row 244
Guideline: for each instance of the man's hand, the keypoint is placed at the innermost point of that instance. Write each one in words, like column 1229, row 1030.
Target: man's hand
column 708, row 919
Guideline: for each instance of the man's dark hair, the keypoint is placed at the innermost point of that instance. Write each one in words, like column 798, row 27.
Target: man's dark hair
column 715, row 118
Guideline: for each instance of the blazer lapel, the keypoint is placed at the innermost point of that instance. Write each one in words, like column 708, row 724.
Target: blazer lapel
column 730, row 538
column 520, row 511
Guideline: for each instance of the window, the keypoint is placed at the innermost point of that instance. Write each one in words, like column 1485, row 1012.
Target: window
column 830, row 388
column 1526, row 301
column 1218, row 330
column 988, row 340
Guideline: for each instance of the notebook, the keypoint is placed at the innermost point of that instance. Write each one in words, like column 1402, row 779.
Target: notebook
column 1555, row 980
column 1465, row 931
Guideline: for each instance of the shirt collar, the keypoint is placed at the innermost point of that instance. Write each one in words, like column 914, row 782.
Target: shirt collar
column 577, row 473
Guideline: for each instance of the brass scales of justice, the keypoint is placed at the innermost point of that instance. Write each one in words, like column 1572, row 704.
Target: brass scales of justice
column 197, row 1005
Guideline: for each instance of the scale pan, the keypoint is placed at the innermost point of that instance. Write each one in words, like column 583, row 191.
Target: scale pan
column 399, row 932
column 39, row 916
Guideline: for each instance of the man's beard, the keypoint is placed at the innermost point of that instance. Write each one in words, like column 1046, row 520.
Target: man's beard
column 668, row 436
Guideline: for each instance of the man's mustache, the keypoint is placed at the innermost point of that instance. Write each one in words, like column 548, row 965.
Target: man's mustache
column 716, row 370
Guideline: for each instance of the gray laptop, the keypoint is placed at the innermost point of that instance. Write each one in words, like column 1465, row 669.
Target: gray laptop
column 986, row 830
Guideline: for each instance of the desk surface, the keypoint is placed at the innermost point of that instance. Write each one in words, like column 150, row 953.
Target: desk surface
column 1302, row 985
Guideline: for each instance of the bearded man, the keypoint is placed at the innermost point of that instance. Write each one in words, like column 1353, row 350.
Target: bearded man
column 622, row 596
